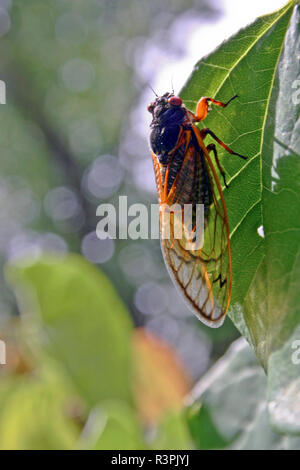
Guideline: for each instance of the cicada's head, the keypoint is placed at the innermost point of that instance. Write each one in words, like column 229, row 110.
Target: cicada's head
column 163, row 103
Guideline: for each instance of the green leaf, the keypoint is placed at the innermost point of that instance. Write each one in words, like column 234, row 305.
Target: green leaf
column 173, row 433
column 273, row 313
column 257, row 64
column 113, row 425
column 233, row 394
column 32, row 416
column 272, row 307
column 83, row 323
column 203, row 429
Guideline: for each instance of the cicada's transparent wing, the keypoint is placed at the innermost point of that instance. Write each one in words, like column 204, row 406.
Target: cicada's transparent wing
column 202, row 275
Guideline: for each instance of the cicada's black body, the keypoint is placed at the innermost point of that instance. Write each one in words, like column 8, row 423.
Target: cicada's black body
column 167, row 127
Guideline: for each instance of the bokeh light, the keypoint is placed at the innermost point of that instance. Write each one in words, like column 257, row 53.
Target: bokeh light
column 30, row 244
column 95, row 250
column 70, row 28
column 151, row 298
column 4, row 21
column 103, row 177
column 78, row 75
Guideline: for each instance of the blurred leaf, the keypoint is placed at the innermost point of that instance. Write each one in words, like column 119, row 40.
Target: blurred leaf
column 113, row 425
column 284, row 387
column 160, row 380
column 83, row 323
column 32, row 416
column 233, row 393
column 173, row 433
column 257, row 64
column 231, row 390
column 204, row 432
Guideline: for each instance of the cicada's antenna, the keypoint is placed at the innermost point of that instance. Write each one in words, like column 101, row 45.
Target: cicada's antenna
column 172, row 85
column 152, row 90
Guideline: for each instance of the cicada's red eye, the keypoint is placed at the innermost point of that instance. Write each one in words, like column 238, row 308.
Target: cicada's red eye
column 175, row 101
column 150, row 107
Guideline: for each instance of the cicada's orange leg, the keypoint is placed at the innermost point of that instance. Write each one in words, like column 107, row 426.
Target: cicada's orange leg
column 206, row 131
column 202, row 107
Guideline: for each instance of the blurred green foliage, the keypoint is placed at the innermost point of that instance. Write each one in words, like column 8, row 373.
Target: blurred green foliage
column 83, row 321
column 82, row 364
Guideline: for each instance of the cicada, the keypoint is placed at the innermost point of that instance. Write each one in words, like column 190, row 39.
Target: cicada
column 187, row 177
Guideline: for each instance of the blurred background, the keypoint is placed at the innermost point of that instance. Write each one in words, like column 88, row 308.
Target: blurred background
column 73, row 134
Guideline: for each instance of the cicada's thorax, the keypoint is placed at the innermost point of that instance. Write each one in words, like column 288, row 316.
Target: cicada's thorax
column 181, row 161
column 165, row 130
